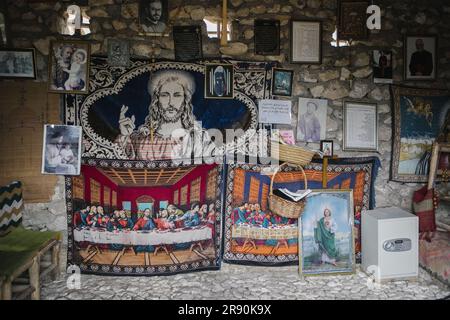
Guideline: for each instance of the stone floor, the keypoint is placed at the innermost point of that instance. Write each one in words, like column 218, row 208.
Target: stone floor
column 243, row 282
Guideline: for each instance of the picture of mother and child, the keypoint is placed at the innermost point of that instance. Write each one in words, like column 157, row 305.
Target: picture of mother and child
column 69, row 67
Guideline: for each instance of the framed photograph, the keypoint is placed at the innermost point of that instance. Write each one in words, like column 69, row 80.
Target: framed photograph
column 327, row 239
column 61, row 152
column 419, row 118
column 353, row 20
column 312, row 119
column 382, row 66
column 327, row 147
column 267, row 37
column 17, row 63
column 118, row 53
column 4, row 39
column 360, row 126
column 282, row 82
column 153, row 16
column 69, row 67
column 306, row 41
column 219, row 81
column 420, row 57
column 188, row 43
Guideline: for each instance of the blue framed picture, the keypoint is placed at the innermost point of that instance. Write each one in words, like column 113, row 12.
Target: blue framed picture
column 282, row 82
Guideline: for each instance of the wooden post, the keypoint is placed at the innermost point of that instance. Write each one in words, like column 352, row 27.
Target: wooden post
column 433, row 165
column 224, row 36
column 7, row 290
column 55, row 261
column 324, row 173
column 34, row 279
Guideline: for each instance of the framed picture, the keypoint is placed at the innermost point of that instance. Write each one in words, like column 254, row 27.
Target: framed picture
column 69, row 67
column 382, row 66
column 61, row 152
column 419, row 118
column 153, row 16
column 312, row 119
column 17, row 63
column 360, row 126
column 306, row 42
column 327, row 239
column 420, row 57
column 267, row 37
column 118, row 53
column 219, row 81
column 282, row 82
column 327, row 147
column 188, row 43
column 353, row 20
column 4, row 39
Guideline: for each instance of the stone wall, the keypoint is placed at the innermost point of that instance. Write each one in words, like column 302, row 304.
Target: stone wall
column 35, row 24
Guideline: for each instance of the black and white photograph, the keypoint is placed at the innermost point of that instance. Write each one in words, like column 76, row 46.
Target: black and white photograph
column 219, row 81
column 118, row 53
column 61, row 152
column 69, row 67
column 382, row 66
column 420, row 57
column 282, row 82
column 312, row 119
column 153, row 16
column 17, row 64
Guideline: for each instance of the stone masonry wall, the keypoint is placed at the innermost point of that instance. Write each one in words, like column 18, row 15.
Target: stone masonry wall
column 35, row 24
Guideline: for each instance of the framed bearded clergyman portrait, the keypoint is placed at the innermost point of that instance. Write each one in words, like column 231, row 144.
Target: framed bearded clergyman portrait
column 69, row 67
column 153, row 16
column 420, row 57
column 219, row 80
column 327, row 239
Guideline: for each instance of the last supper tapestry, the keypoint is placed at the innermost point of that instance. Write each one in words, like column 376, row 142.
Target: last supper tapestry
column 136, row 218
column 159, row 111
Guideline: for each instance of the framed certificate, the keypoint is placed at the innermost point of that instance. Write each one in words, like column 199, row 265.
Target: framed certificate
column 360, row 126
column 306, row 42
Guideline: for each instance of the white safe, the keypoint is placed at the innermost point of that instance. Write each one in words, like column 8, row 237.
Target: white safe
column 389, row 244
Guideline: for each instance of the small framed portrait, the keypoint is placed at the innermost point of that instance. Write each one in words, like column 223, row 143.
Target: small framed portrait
column 420, row 57
column 4, row 39
column 327, row 147
column 353, row 20
column 153, row 16
column 360, row 126
column 61, row 152
column 327, row 238
column 306, row 41
column 282, row 82
column 69, row 67
column 118, row 53
column 219, row 81
column 382, row 66
column 17, row 63
column 312, row 120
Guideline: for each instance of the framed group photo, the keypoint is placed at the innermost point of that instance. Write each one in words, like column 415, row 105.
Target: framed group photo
column 327, row 238
column 69, row 67
column 219, row 81
column 360, row 126
column 61, row 152
column 420, row 57
column 17, row 64
column 306, row 41
column 282, row 82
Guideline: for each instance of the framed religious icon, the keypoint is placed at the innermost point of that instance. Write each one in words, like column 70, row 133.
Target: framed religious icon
column 382, row 66
column 69, row 67
column 282, row 82
column 153, row 16
column 219, row 81
column 17, row 64
column 420, row 57
column 267, row 37
column 420, row 117
column 306, row 41
column 360, row 126
column 352, row 20
column 326, row 228
column 118, row 53
column 188, row 43
column 61, row 152
column 327, row 148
